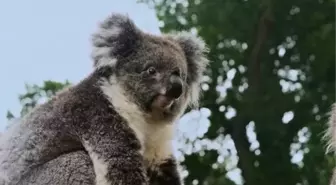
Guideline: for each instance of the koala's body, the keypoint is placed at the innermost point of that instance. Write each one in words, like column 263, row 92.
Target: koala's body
column 116, row 125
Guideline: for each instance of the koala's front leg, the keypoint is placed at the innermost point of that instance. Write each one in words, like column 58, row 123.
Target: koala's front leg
column 165, row 173
column 116, row 158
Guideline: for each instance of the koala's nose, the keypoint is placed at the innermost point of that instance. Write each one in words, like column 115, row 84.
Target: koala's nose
column 176, row 87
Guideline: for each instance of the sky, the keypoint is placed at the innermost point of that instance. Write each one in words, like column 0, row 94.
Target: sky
column 50, row 40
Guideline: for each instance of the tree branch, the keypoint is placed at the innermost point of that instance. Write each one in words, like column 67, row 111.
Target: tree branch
column 247, row 158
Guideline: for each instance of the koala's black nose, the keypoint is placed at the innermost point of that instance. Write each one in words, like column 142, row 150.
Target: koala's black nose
column 176, row 88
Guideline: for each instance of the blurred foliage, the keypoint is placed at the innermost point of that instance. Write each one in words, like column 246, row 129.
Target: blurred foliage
column 272, row 72
column 36, row 94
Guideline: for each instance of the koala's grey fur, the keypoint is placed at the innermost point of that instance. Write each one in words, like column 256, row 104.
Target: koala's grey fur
column 330, row 137
column 110, row 128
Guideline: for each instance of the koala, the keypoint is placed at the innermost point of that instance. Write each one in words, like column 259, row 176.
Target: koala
column 116, row 125
column 330, row 137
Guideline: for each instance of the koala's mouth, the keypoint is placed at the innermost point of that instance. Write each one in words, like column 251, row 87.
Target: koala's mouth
column 162, row 102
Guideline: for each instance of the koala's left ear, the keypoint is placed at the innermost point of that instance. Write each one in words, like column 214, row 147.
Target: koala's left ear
column 195, row 51
column 117, row 36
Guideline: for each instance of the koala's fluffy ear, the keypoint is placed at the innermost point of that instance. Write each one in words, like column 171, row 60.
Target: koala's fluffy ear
column 195, row 51
column 116, row 37
column 330, row 133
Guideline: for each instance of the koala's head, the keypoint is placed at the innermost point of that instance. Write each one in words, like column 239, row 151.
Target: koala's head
column 161, row 74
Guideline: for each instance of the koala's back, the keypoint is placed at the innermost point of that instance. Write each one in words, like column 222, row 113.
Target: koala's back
column 40, row 136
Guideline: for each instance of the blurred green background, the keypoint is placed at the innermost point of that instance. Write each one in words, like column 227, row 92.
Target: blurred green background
column 270, row 83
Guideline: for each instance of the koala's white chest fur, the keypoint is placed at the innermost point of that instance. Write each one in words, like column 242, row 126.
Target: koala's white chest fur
column 155, row 138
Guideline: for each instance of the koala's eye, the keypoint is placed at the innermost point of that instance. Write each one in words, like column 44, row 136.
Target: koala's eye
column 151, row 70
